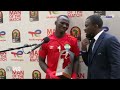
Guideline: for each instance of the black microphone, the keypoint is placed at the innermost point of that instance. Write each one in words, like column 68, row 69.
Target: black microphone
column 26, row 45
column 45, row 40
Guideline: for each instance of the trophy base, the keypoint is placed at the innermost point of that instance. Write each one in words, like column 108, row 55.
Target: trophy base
column 64, row 76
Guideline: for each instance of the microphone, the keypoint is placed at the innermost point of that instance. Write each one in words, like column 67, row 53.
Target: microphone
column 26, row 45
column 45, row 40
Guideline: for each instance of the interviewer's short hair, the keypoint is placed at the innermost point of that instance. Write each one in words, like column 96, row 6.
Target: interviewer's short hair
column 96, row 19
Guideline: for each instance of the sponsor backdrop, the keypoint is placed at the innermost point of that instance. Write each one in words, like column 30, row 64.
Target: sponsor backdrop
column 19, row 28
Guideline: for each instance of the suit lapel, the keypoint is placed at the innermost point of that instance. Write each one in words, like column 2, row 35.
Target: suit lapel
column 97, row 44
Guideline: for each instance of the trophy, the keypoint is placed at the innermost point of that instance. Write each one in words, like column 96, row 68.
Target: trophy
column 65, row 63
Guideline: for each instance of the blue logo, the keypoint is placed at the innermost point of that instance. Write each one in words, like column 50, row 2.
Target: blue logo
column 105, row 28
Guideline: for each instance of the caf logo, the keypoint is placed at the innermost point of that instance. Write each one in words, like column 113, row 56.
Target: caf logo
column 2, row 73
column 76, row 32
column 36, row 74
column 34, row 16
column 15, row 36
column 1, row 17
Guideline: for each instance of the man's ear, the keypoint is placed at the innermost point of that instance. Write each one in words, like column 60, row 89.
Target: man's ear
column 96, row 26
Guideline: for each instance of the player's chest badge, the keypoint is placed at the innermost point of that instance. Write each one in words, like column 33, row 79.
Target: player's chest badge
column 67, row 47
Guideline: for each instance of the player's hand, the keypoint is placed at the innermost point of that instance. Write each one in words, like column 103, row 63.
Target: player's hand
column 52, row 74
column 74, row 76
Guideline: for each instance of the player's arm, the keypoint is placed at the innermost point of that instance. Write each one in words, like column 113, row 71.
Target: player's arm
column 76, row 51
column 75, row 67
column 43, row 65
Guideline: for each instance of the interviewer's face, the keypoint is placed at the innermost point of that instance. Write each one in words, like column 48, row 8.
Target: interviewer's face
column 89, row 29
column 62, row 24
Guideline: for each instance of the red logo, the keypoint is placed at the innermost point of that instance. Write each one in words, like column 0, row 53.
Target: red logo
column 35, row 35
column 3, row 56
column 74, row 14
column 18, row 74
column 14, row 15
column 50, row 31
column 34, row 56
column 81, row 75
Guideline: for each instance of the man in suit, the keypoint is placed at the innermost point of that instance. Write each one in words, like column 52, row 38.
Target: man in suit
column 103, row 57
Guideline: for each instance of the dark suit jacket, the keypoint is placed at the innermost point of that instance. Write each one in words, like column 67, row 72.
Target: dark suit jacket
column 105, row 60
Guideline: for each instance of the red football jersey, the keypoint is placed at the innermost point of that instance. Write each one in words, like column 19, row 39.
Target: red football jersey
column 52, row 49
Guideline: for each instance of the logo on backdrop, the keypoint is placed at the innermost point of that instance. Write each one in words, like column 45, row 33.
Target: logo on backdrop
column 105, row 28
column 1, row 17
column 16, row 36
column 36, row 74
column 3, row 56
column 50, row 31
column 53, row 14
column 18, row 55
column 8, row 69
column 17, row 73
column 2, row 73
column 34, row 56
column 74, row 14
column 2, row 36
column 101, row 13
column 81, row 76
column 76, row 32
column 34, row 15
column 15, row 15
column 35, row 35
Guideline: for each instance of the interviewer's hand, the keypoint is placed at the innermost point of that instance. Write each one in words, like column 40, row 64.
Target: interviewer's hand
column 84, row 44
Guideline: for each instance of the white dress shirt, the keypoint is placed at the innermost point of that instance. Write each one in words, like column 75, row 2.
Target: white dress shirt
column 96, row 37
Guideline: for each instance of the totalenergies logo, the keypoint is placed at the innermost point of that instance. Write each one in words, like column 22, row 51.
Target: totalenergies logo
column 2, row 34
column 17, row 54
column 36, row 33
column 53, row 12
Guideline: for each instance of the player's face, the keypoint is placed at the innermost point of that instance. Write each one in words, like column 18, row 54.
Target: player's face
column 62, row 24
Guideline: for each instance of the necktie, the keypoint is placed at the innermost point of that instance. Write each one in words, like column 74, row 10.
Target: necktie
column 90, row 48
column 91, row 44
